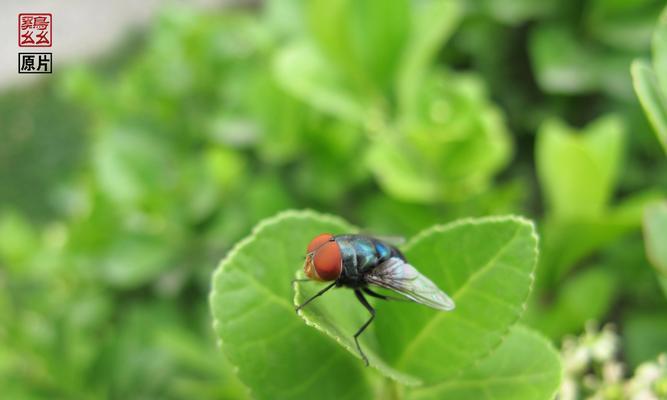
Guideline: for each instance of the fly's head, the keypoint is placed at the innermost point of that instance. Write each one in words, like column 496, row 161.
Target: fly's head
column 324, row 261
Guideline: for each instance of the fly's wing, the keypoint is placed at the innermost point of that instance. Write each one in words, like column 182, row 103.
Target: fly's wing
column 392, row 240
column 401, row 277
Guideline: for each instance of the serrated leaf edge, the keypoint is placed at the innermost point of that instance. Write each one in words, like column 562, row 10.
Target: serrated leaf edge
column 539, row 337
column 240, row 245
column 480, row 221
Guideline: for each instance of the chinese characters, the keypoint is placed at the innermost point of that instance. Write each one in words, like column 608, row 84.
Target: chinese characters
column 35, row 63
column 35, row 30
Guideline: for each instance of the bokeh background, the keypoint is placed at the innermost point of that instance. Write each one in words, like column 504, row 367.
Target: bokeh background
column 129, row 173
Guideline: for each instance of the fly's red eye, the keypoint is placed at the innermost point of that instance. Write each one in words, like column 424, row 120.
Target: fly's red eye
column 327, row 261
column 318, row 241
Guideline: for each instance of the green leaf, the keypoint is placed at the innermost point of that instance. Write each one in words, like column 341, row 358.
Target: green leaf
column 449, row 148
column 276, row 354
column 326, row 316
column 514, row 12
column 280, row 116
column 326, row 20
column 644, row 335
column 364, row 39
column 659, row 47
column 19, row 241
column 574, row 306
column 302, row 72
column 655, row 236
column 401, row 172
column 135, row 259
column 562, row 64
column 566, row 242
column 578, row 172
column 652, row 99
column 662, row 280
column 650, row 82
column 525, row 366
column 487, row 266
column 129, row 164
column 623, row 25
column 432, row 23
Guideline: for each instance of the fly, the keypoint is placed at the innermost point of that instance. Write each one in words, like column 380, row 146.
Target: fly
column 360, row 261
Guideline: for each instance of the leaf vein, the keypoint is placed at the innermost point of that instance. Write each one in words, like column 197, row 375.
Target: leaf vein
column 433, row 322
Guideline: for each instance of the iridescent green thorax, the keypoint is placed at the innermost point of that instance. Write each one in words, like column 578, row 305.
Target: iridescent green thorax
column 361, row 253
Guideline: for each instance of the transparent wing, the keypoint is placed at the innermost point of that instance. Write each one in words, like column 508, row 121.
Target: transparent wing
column 391, row 239
column 401, row 277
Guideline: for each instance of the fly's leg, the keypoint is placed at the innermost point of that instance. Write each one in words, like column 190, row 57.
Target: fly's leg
column 364, row 302
column 381, row 296
column 316, row 295
column 301, row 280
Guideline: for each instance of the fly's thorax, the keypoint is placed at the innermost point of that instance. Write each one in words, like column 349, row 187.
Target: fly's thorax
column 383, row 250
column 358, row 252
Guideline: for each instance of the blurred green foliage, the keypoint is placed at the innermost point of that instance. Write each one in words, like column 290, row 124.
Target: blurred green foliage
column 125, row 181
